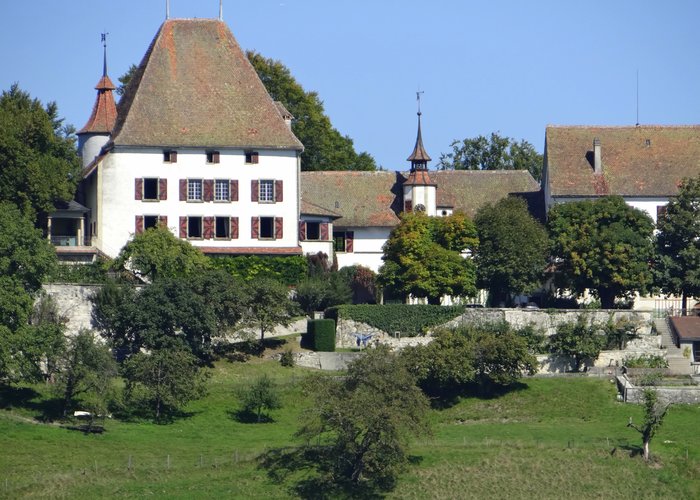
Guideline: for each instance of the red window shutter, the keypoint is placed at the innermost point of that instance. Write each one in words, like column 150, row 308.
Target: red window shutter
column 183, row 227
column 302, row 230
column 173, row 157
column 208, row 188
column 208, row 232
column 163, row 221
column 407, row 206
column 278, row 191
column 234, row 228
column 162, row 189
column 279, row 228
column 254, row 157
column 183, row 189
column 254, row 190
column 138, row 189
column 324, row 231
column 349, row 241
column 139, row 224
column 234, row 190
column 255, row 228
column 215, row 157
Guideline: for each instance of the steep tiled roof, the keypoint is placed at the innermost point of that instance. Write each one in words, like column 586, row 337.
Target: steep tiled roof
column 419, row 153
column 636, row 161
column 195, row 87
column 375, row 198
column 419, row 177
column 308, row 208
column 251, row 250
column 104, row 112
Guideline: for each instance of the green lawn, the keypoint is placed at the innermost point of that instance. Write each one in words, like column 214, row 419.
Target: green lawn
column 553, row 438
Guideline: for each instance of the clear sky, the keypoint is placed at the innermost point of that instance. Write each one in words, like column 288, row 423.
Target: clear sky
column 507, row 66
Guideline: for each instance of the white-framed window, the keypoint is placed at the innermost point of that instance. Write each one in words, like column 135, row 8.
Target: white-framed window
column 313, row 231
column 194, row 227
column 222, row 190
column 194, row 189
column 266, row 191
column 222, row 227
column 267, row 228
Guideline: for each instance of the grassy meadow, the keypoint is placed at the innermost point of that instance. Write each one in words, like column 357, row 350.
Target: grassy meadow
column 549, row 438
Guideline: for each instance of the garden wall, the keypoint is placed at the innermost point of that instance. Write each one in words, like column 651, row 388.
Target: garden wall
column 633, row 394
column 73, row 304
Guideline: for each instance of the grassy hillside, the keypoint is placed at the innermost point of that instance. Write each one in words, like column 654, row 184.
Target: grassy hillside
column 551, row 438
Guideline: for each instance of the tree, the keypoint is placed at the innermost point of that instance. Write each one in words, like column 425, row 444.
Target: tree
column 603, row 245
column 38, row 161
column 125, row 79
column 493, row 153
column 164, row 379
column 86, row 371
column 363, row 283
column 261, row 395
column 324, row 147
column 363, row 422
column 157, row 253
column 678, row 243
column 422, row 257
column 654, row 413
column 268, row 305
column 580, row 340
column 513, row 250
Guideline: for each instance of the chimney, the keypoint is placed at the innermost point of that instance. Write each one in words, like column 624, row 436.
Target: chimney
column 597, row 163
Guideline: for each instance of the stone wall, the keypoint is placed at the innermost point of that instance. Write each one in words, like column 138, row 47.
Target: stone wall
column 634, row 394
column 73, row 304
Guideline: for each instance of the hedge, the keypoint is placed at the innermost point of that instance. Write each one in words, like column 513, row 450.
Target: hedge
column 322, row 332
column 290, row 269
column 408, row 320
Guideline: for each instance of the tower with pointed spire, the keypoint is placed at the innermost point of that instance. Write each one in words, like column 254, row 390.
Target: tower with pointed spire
column 419, row 192
column 96, row 132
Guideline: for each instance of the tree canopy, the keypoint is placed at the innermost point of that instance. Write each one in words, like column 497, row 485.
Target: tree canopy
column 422, row 257
column 603, row 245
column 513, row 250
column 678, row 242
column 492, row 153
column 38, row 161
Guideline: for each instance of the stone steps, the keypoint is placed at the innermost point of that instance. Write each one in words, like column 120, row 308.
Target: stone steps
column 677, row 364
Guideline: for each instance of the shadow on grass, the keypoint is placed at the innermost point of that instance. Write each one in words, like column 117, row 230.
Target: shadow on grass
column 446, row 396
column 249, row 417
column 633, row 450
column 24, row 397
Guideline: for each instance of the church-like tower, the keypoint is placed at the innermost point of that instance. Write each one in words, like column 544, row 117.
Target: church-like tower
column 419, row 192
column 96, row 132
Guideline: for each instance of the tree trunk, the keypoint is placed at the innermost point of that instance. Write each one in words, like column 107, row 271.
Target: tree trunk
column 434, row 301
column 684, row 303
column 607, row 298
column 646, row 449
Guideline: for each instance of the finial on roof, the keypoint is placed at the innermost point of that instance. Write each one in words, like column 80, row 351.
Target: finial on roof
column 104, row 46
column 167, row 9
column 221, row 10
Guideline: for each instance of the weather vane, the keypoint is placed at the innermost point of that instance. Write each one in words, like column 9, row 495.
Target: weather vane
column 418, row 98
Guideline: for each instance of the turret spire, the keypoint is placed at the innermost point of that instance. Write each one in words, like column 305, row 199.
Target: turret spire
column 104, row 62
column 419, row 158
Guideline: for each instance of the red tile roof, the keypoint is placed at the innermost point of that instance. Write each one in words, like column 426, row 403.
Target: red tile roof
column 646, row 161
column 251, row 250
column 104, row 112
column 195, row 87
column 687, row 327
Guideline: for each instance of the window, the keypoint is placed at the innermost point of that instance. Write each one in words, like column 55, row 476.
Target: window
column 212, row 157
column 150, row 189
column 267, row 228
column 339, row 241
column 267, row 191
column 170, row 156
column 150, row 221
column 194, row 227
column 661, row 212
column 194, row 189
column 222, row 190
column 313, row 230
column 251, row 157
column 223, row 227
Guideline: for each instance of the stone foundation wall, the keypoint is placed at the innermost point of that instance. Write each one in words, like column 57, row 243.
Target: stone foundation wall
column 73, row 304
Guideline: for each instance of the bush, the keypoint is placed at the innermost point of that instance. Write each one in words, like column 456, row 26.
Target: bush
column 287, row 359
column 321, row 292
column 408, row 320
column 322, row 332
column 645, row 361
column 84, row 274
column 290, row 270
column 651, row 379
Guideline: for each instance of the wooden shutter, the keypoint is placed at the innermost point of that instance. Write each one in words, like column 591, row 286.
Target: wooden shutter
column 234, row 228
column 407, row 206
column 215, row 157
column 254, row 157
column 324, row 231
column 349, row 241
column 183, row 189
column 138, row 189
column 233, row 191
column 208, row 230
column 139, row 224
column 255, row 228
column 163, row 221
column 254, row 190
column 302, row 230
column 278, row 191
column 173, row 157
column 208, row 189
column 279, row 228
column 163, row 189
column 183, row 227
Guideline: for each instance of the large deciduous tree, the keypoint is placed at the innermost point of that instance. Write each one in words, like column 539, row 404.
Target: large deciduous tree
column 38, row 161
column 492, row 153
column 605, row 246
column 678, row 243
column 268, row 305
column 422, row 257
column 513, row 250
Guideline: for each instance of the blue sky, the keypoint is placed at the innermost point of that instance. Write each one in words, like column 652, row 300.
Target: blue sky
column 508, row 66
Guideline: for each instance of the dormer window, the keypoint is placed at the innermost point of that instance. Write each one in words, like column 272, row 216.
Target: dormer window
column 170, row 156
column 212, row 157
column 251, row 157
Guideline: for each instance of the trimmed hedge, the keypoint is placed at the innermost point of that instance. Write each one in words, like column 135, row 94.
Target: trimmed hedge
column 322, row 332
column 408, row 320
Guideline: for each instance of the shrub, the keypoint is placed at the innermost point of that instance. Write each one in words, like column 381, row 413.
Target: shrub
column 287, row 358
column 321, row 292
column 650, row 379
column 290, row 270
column 645, row 361
column 322, row 332
column 93, row 273
column 408, row 320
